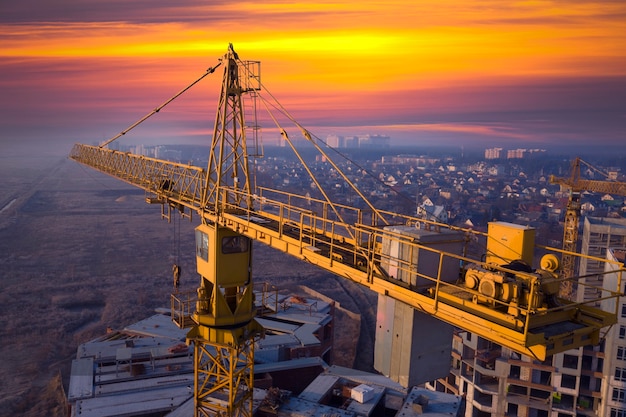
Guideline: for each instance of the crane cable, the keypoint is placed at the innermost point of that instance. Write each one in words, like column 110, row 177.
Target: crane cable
column 177, row 239
column 176, row 265
column 293, row 148
column 211, row 70
column 309, row 137
column 278, row 106
column 305, row 132
column 598, row 170
column 372, row 265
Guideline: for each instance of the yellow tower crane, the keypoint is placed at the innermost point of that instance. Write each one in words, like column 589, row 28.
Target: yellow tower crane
column 503, row 297
column 575, row 185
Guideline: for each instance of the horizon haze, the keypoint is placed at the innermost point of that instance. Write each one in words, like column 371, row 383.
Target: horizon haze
column 456, row 73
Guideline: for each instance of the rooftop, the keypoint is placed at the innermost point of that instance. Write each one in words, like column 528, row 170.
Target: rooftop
column 147, row 369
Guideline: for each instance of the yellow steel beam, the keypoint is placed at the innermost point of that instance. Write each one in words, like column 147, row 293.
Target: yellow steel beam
column 224, row 376
column 537, row 333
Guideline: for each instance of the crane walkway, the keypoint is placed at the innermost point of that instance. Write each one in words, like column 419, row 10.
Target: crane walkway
column 536, row 332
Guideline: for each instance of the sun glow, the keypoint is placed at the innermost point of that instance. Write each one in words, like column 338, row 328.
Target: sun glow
column 362, row 60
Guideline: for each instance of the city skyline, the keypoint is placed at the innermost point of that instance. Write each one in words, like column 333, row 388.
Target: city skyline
column 462, row 73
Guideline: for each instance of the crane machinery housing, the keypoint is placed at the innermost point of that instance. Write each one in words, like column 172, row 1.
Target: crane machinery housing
column 416, row 266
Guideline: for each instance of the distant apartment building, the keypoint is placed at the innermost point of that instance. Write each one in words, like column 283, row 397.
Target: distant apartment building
column 374, row 141
column 493, row 153
column 141, row 150
column 163, row 152
column 359, row 141
column 516, row 153
column 410, row 160
column 336, row 141
column 497, row 153
column 587, row 381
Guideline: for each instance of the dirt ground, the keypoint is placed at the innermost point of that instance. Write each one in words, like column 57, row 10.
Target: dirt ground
column 81, row 252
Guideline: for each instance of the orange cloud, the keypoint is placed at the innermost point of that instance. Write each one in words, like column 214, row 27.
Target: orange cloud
column 324, row 57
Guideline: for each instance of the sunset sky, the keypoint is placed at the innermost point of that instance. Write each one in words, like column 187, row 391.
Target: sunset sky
column 477, row 72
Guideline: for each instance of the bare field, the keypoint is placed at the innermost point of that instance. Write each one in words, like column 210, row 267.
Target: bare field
column 81, row 252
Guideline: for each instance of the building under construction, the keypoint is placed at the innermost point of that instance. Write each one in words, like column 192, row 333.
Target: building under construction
column 146, row 369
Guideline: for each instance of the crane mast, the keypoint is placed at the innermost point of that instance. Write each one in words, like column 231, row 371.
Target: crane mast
column 228, row 158
column 225, row 330
column 576, row 185
column 493, row 297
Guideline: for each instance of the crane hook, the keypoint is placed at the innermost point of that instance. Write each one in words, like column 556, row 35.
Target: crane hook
column 176, row 272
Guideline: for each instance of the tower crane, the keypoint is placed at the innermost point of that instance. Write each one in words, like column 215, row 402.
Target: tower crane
column 503, row 297
column 575, row 184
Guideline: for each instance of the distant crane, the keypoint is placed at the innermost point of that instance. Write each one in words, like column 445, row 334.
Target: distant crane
column 575, row 184
column 501, row 298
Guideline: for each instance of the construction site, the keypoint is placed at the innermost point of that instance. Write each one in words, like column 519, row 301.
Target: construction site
column 147, row 369
column 468, row 323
